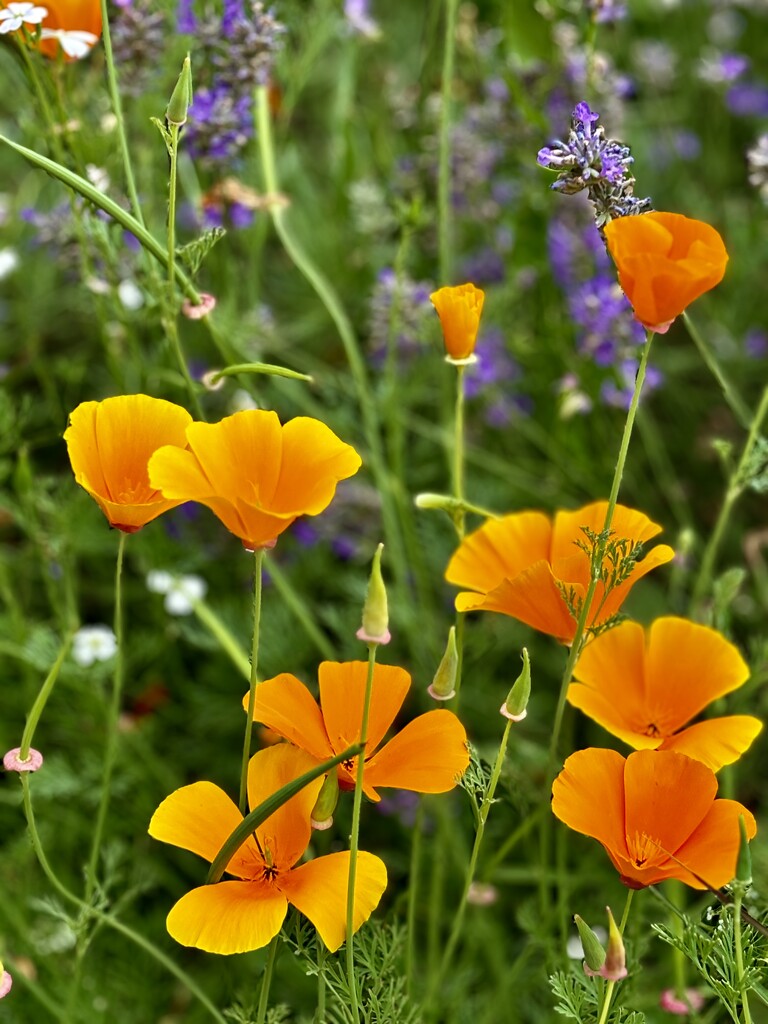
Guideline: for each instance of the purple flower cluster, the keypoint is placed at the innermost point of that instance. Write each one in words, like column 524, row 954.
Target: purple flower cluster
column 588, row 161
column 403, row 305
column 220, row 124
column 138, row 36
column 604, row 11
column 491, row 380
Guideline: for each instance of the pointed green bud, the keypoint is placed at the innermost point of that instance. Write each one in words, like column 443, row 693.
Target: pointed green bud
column 374, row 629
column 744, row 861
column 444, row 684
column 594, row 954
column 322, row 813
column 514, row 707
column 181, row 97
column 615, row 966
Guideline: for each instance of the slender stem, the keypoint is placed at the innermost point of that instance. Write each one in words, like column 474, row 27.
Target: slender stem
column 738, row 406
column 107, row 919
column 226, row 641
column 458, row 451
column 676, row 894
column 296, row 603
column 735, row 488
column 444, row 222
column 739, row 953
column 110, row 751
column 413, row 890
column 608, row 994
column 257, row 585
column 320, row 1010
column 266, row 982
column 40, row 701
column 485, row 807
column 354, row 838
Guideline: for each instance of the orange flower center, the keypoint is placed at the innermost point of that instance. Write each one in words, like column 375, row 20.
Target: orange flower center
column 651, row 730
column 642, row 848
column 269, row 873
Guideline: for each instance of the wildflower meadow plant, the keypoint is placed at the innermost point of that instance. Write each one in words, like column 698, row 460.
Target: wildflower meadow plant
column 299, row 263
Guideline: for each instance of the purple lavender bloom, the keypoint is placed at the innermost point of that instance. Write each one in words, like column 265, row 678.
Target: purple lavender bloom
column 186, row 22
column 748, row 100
column 359, row 18
column 233, row 13
column 620, row 395
column 733, row 66
column 491, row 379
column 220, row 124
column 756, row 343
column 486, row 266
column 406, row 300
column 606, row 11
column 304, row 532
column 401, row 804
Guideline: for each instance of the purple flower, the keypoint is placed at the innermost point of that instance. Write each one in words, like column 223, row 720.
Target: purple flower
column 186, row 22
column 756, row 343
column 748, row 100
column 359, row 19
column 220, row 124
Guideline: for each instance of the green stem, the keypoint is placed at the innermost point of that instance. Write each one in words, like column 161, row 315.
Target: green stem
column 266, row 982
column 735, row 488
column 42, row 698
column 444, row 220
column 354, row 838
column 257, row 584
column 738, row 406
column 107, row 919
column 413, row 890
column 110, row 752
column 300, row 609
column 739, row 953
column 320, row 1010
column 459, row 514
column 225, row 639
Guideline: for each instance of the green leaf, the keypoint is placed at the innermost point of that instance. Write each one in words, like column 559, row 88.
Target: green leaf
column 193, row 253
column 268, row 368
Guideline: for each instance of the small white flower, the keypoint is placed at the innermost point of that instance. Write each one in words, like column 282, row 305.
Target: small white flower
column 131, row 296
column 159, row 581
column 241, row 401
column 74, row 43
column 97, row 176
column 15, row 15
column 93, row 643
column 184, row 592
column 9, row 260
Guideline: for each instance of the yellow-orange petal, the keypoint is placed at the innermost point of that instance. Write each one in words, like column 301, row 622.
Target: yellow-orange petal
column 342, row 694
column 499, row 550
column 285, row 834
column 712, row 850
column 657, row 556
column 109, row 445
column 319, row 890
column 459, row 308
column 314, row 461
column 611, row 683
column 716, row 741
column 575, row 799
column 285, row 704
column 626, row 523
column 428, row 755
column 69, row 16
column 228, row 917
column 532, row 597
column 200, row 818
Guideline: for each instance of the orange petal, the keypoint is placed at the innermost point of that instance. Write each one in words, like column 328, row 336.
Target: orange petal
column 499, row 550
column 285, row 834
column 342, row 694
column 110, row 443
column 588, row 796
column 286, row 705
column 200, row 818
column 712, row 849
column 228, row 917
column 429, row 755
column 532, row 597
column 319, row 890
column 667, row 796
column 657, row 556
column 314, row 460
column 689, row 666
column 625, row 523
column 717, row 741
column 459, row 308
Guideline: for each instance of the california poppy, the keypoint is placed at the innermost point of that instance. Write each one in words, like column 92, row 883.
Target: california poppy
column 521, row 565
column 72, row 27
column 428, row 755
column 664, row 261
column 254, row 474
column 459, row 308
column 645, row 686
column 109, row 445
column 237, row 916
column 655, row 814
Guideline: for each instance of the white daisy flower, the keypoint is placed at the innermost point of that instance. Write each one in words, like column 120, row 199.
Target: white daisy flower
column 15, row 15
column 74, row 43
column 93, row 643
column 184, row 592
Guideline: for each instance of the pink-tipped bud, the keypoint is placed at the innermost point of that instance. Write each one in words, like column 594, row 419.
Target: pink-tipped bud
column 615, row 966
column 514, row 707
column 443, row 686
column 374, row 629
column 197, row 311
column 594, row 954
column 12, row 761
column 321, row 817
column 6, row 982
column 691, row 1002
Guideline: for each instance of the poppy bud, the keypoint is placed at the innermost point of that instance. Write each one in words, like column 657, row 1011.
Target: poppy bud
column 375, row 612
column 459, row 308
column 594, row 954
column 6, row 981
column 444, row 684
column 744, row 861
column 514, row 707
column 615, row 966
column 321, row 817
column 181, row 97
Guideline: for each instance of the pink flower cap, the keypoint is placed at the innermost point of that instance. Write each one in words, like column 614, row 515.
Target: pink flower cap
column 439, row 696
column 6, row 983
column 12, row 762
column 203, row 308
column 382, row 638
column 679, row 1007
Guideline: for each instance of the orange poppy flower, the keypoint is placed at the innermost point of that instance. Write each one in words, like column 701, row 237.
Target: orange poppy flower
column 459, row 308
column 520, row 565
column 655, row 814
column 644, row 687
column 665, row 261
column 254, row 474
column 72, row 27
column 109, row 445
column 427, row 756
column 237, row 916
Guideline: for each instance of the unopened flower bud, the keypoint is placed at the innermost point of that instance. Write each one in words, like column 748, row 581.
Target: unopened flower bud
column 374, row 629
column 594, row 954
column 6, row 981
column 615, row 966
column 321, row 817
column 181, row 97
column 514, row 707
column 744, row 860
column 444, row 684
column 13, row 761
column 197, row 311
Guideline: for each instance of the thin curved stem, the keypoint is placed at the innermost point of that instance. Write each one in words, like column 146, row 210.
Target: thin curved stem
column 444, row 220
column 266, row 981
column 257, row 587
column 42, row 698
